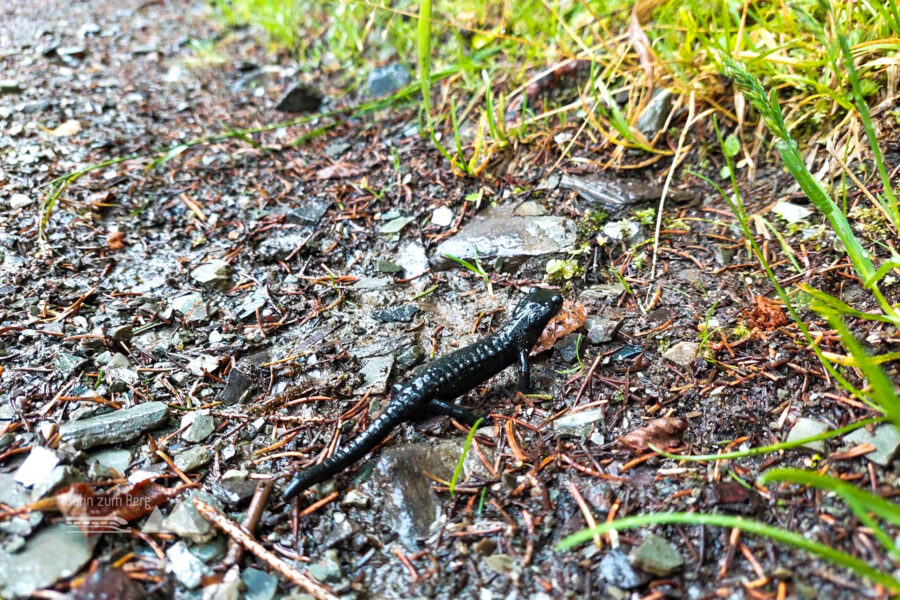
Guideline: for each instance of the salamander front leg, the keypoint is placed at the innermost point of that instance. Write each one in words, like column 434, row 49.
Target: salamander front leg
column 524, row 372
column 463, row 415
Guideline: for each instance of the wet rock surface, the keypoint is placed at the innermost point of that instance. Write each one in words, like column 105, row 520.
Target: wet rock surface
column 497, row 233
column 119, row 426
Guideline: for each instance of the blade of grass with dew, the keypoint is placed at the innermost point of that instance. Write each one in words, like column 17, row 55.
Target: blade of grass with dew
column 883, row 394
column 890, row 201
column 462, row 457
column 759, row 450
column 770, row 111
column 790, row 538
column 821, row 302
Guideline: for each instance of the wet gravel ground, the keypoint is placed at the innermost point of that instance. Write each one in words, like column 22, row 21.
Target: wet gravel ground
column 239, row 312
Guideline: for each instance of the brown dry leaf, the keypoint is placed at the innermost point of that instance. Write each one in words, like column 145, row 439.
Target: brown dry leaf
column 570, row 318
column 641, row 44
column 765, row 314
column 663, row 433
column 339, row 171
column 81, row 502
column 115, row 240
column 66, row 129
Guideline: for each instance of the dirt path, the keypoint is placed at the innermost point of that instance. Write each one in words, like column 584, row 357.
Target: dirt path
column 269, row 299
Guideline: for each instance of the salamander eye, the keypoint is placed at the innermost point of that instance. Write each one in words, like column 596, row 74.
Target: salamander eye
column 557, row 299
column 532, row 290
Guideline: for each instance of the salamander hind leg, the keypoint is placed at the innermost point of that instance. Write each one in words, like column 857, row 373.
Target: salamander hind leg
column 463, row 415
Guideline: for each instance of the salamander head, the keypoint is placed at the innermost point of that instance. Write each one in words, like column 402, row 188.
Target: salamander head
column 533, row 313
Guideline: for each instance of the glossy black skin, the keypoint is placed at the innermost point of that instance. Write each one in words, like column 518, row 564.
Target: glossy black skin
column 432, row 389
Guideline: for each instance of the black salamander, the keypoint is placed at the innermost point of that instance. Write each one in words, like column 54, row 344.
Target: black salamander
column 432, row 389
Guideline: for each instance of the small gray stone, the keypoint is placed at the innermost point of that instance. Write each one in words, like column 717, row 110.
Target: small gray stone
column 790, row 212
column 187, row 303
column 200, row 424
column 192, row 459
column 117, row 361
column 682, row 353
column 17, row 201
column 327, row 569
column 386, row 80
column 656, row 556
column 530, row 208
column 114, row 458
column 397, row 314
column 386, row 266
column 885, row 438
column 37, row 468
column 623, row 231
column 805, row 428
column 568, row 346
column 355, row 498
column 654, row 115
column 442, row 216
column 411, row 356
column 413, row 259
column 602, row 328
column 67, row 363
column 579, row 424
column 259, row 584
column 614, row 568
column 309, row 212
column 497, row 233
column 185, row 521
column 214, row 273
column 123, row 333
column 186, row 567
column 237, row 387
column 375, row 372
column 118, row 426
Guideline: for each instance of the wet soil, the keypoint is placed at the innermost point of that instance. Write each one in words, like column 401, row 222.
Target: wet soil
column 271, row 289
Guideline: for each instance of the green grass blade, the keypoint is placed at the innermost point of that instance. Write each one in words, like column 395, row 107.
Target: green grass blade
column 462, row 457
column 790, row 538
column 772, row 447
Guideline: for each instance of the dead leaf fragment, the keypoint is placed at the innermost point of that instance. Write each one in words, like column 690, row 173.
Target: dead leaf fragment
column 70, row 127
column 339, row 171
column 571, row 318
column 83, row 505
column 664, row 433
column 115, row 240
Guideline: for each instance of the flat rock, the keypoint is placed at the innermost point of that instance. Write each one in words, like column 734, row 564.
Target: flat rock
column 410, row 504
column 654, row 115
column 308, row 212
column 682, row 353
column 258, row 585
column 656, row 556
column 885, row 438
column 37, row 467
column 442, row 216
column 386, row 80
column 615, row 569
column 199, row 425
column 119, row 426
column 214, row 273
column 497, row 233
column 790, row 212
column 413, row 259
column 577, row 425
column 805, row 428
column 187, row 568
column 397, row 314
column 192, row 459
column 603, row 327
column 113, row 458
column 375, row 372
column 618, row 196
column 237, row 387
column 53, row 553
